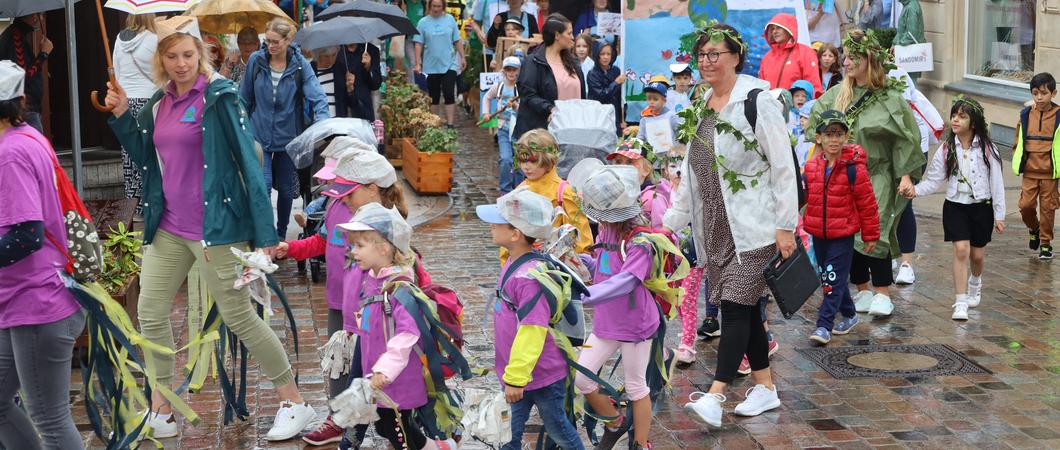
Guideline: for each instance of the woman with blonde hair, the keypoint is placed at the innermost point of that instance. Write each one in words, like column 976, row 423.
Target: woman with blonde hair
column 882, row 123
column 210, row 199
column 134, row 51
column 277, row 85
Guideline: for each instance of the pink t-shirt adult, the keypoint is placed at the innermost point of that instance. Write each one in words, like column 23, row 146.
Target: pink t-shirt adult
column 568, row 86
column 178, row 140
column 550, row 367
column 32, row 291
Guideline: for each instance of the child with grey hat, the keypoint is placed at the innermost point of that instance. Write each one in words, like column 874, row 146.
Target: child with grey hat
column 529, row 360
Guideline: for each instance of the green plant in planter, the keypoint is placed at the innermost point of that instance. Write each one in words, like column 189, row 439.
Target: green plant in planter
column 121, row 255
column 402, row 99
column 435, row 140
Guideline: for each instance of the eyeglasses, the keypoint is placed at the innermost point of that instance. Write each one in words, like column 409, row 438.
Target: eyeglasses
column 711, row 57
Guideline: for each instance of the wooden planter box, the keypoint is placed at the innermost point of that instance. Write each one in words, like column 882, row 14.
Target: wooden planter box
column 129, row 297
column 427, row 173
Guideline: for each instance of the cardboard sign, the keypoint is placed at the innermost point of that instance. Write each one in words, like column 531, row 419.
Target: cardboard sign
column 659, row 134
column 914, row 58
column 608, row 24
column 487, row 80
column 505, row 43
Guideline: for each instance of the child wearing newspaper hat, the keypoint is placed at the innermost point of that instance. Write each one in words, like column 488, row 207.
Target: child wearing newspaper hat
column 529, row 363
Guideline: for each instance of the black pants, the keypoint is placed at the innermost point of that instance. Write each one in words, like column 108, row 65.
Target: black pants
column 742, row 333
column 442, row 85
column 907, row 230
column 399, row 434
column 863, row 267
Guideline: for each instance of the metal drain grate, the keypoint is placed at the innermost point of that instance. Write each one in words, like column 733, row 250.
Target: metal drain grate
column 880, row 361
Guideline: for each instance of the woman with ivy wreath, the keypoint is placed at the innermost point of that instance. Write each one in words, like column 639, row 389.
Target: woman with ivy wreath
column 740, row 195
column 880, row 121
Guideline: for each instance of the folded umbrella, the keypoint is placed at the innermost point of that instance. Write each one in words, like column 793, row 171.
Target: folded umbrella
column 366, row 8
column 230, row 16
column 343, row 31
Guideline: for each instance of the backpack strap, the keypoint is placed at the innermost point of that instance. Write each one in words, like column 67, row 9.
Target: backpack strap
column 750, row 108
column 852, row 175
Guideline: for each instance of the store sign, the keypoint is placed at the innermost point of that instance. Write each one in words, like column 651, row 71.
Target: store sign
column 1006, row 56
column 914, row 58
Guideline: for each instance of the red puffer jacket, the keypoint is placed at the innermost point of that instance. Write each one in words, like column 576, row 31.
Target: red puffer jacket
column 787, row 63
column 834, row 209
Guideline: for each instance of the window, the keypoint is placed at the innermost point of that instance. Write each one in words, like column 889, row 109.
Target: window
column 1000, row 41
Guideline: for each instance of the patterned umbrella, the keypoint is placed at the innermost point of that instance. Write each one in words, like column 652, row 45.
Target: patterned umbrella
column 150, row 6
column 230, row 16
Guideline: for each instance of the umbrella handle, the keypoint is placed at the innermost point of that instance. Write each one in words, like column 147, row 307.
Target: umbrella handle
column 102, row 106
column 94, row 95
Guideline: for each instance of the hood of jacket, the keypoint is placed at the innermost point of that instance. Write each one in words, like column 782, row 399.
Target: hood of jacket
column 850, row 154
column 804, row 85
column 647, row 112
column 787, row 22
column 141, row 40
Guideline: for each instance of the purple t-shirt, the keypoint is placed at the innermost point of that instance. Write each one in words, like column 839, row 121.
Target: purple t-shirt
column 409, row 389
column 335, row 251
column 178, row 140
column 31, row 290
column 618, row 319
column 551, row 367
column 352, row 284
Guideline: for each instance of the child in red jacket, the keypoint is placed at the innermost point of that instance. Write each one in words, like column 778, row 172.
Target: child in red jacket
column 839, row 204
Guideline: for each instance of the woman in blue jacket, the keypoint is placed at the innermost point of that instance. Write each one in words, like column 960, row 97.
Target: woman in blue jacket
column 605, row 83
column 283, row 98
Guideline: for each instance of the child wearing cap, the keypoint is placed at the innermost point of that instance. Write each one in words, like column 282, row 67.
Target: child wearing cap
column 537, row 154
column 360, row 176
column 654, row 195
column 656, row 118
column 626, row 316
column 528, row 361
column 380, row 241
column 506, row 95
column 678, row 97
column 839, row 204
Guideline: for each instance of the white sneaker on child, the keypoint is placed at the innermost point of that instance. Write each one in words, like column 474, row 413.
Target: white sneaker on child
column 290, row 420
column 162, row 425
column 960, row 311
column 881, row 306
column 706, row 408
column 759, row 400
column 905, row 274
column 975, row 292
column 863, row 301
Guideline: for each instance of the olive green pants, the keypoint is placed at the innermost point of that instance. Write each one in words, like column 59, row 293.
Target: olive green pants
column 166, row 264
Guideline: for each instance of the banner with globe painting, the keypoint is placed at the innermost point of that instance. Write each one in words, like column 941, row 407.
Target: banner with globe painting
column 661, row 32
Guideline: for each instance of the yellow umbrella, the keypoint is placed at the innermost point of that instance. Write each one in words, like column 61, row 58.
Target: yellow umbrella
column 230, row 16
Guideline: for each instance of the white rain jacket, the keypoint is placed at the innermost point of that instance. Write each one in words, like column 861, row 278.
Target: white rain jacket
column 134, row 63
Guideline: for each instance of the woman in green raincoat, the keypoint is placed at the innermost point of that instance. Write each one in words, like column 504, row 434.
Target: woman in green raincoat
column 881, row 122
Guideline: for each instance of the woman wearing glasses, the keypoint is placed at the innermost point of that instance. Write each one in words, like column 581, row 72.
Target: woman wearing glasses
column 742, row 205
column 277, row 85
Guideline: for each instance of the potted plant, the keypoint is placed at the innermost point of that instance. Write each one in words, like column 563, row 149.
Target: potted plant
column 121, row 266
column 428, row 161
column 401, row 102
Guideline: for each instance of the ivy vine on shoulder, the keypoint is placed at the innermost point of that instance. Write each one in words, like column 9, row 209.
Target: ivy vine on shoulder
column 687, row 132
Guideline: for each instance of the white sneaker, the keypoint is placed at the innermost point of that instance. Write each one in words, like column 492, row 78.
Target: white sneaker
column 290, row 420
column 975, row 293
column 881, row 306
column 905, row 274
column 759, row 400
column 894, row 265
column 162, row 428
column 960, row 311
column 863, row 301
column 706, row 408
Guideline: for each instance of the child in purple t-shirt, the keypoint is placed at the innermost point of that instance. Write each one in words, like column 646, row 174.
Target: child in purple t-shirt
column 388, row 335
column 626, row 316
column 530, row 365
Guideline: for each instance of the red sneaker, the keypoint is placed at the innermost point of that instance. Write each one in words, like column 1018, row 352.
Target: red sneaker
column 773, row 346
column 326, row 433
column 745, row 367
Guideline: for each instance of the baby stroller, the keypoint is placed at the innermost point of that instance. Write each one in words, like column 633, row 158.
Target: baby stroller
column 583, row 129
column 305, row 151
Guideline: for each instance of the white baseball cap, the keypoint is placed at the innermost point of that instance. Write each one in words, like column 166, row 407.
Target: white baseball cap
column 512, row 62
column 12, row 80
column 531, row 213
column 387, row 222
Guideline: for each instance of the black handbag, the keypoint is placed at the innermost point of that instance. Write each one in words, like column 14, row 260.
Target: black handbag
column 792, row 281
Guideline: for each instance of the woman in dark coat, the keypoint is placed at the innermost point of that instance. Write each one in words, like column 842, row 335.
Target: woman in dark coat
column 551, row 73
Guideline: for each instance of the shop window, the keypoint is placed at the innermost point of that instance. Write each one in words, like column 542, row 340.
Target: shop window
column 1000, row 41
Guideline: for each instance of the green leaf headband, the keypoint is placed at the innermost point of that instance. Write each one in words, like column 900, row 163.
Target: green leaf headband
column 533, row 147
column 970, row 103
column 716, row 35
column 869, row 45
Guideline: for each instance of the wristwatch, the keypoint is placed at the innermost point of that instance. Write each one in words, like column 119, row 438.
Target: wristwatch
column 43, row 55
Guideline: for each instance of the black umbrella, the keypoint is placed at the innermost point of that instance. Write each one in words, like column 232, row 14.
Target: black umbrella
column 343, row 31
column 366, row 8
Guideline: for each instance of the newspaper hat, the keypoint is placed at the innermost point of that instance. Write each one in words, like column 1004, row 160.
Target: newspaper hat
column 609, row 193
column 338, row 147
column 679, row 68
column 188, row 25
column 387, row 222
column 12, row 80
column 529, row 212
column 359, row 168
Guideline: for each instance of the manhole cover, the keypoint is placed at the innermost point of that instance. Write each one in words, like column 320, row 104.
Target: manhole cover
column 880, row 361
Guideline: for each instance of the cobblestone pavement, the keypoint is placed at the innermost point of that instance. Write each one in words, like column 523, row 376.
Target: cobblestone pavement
column 1013, row 333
